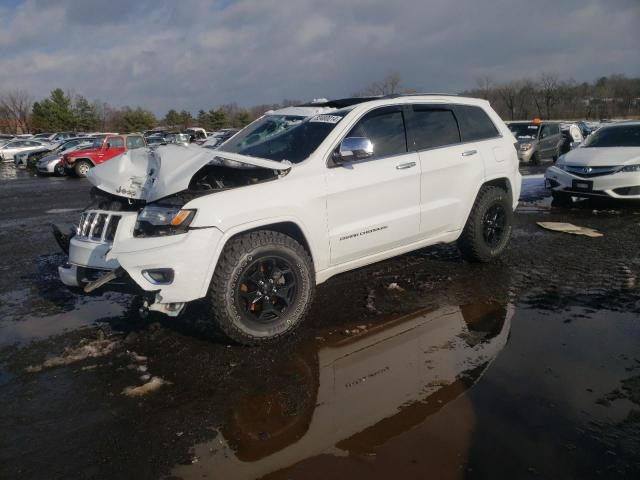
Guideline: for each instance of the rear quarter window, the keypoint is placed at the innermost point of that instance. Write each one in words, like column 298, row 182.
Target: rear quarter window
column 474, row 123
column 134, row 142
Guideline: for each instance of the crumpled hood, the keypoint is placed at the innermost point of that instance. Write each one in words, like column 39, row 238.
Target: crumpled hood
column 145, row 174
column 603, row 156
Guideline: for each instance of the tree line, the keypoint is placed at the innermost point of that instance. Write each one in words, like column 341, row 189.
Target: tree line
column 550, row 97
column 547, row 96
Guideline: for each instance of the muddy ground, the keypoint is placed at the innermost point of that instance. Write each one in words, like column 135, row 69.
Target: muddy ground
column 423, row 366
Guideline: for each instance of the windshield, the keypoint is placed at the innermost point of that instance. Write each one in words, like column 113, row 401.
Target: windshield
column 284, row 137
column 618, row 136
column 524, row 130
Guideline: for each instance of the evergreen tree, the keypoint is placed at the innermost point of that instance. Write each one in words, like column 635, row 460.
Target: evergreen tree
column 137, row 120
column 172, row 118
column 85, row 114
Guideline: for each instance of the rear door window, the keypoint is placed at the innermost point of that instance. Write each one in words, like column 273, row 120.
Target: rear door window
column 434, row 127
column 474, row 123
column 386, row 130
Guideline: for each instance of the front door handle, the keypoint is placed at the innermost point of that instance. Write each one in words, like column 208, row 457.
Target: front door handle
column 468, row 153
column 404, row 166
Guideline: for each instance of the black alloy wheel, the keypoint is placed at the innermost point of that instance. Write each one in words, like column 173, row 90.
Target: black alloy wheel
column 266, row 290
column 494, row 223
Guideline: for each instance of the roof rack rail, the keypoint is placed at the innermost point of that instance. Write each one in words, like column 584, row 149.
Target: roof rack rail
column 347, row 102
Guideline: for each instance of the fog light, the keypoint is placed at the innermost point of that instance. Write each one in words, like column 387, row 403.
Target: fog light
column 159, row 276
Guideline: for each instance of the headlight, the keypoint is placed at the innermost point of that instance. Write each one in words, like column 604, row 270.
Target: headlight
column 630, row 168
column 156, row 221
column 525, row 146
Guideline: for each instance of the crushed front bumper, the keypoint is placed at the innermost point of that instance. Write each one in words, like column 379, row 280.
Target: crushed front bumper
column 620, row 185
column 190, row 257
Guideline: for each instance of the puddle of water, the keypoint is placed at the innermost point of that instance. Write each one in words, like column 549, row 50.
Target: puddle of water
column 439, row 392
column 351, row 395
column 38, row 327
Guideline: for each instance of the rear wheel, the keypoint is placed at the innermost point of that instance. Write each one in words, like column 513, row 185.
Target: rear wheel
column 81, row 168
column 488, row 228
column 262, row 287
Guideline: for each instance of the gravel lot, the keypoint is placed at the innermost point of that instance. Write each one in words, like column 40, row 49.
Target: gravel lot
column 544, row 384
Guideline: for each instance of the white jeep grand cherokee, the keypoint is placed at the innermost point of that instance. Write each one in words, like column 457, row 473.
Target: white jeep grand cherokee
column 300, row 195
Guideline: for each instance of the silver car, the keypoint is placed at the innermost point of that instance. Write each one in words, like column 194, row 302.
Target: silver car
column 537, row 140
column 607, row 164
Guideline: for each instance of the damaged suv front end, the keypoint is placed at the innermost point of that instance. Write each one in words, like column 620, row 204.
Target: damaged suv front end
column 138, row 231
column 142, row 229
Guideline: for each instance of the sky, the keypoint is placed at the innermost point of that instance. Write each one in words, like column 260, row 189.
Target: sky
column 194, row 54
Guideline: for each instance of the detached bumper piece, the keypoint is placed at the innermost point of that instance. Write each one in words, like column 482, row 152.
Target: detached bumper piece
column 79, row 277
column 63, row 239
column 104, row 279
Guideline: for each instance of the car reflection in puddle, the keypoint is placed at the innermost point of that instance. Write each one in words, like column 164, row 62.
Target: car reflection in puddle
column 352, row 395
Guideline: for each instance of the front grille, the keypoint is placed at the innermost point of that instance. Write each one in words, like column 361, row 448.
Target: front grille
column 98, row 226
column 589, row 172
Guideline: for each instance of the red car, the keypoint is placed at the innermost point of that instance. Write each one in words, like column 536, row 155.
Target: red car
column 104, row 148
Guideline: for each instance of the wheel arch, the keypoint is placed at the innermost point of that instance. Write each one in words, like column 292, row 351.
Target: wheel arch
column 79, row 159
column 287, row 226
column 501, row 182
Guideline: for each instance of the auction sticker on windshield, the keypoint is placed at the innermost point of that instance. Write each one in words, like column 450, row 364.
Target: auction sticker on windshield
column 326, row 119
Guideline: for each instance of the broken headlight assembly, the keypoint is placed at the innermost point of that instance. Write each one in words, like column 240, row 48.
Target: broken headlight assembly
column 158, row 221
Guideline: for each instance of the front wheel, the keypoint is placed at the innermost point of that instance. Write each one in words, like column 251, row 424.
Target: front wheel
column 262, row 287
column 59, row 169
column 488, row 228
column 535, row 158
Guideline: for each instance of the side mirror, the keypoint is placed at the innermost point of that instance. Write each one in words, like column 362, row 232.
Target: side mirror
column 355, row 148
column 107, row 145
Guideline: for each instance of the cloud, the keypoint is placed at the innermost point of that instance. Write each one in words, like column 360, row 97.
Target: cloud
column 196, row 54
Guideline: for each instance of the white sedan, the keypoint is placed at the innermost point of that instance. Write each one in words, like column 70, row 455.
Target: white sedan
column 8, row 150
column 607, row 164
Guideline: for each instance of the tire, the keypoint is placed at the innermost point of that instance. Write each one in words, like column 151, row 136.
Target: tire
column 59, row 169
column 561, row 199
column 81, row 168
column 488, row 228
column 249, row 313
column 535, row 158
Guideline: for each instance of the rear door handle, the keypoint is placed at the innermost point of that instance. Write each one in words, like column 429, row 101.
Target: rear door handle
column 404, row 166
column 468, row 153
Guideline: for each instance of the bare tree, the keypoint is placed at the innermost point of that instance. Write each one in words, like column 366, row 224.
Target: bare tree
column 508, row 93
column 16, row 106
column 484, row 86
column 387, row 86
column 548, row 94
